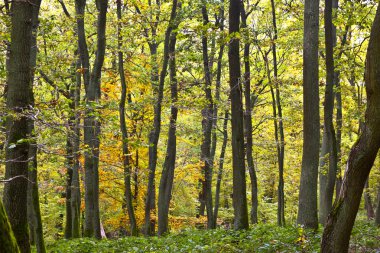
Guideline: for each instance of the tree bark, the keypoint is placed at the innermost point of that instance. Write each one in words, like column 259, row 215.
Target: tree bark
column 328, row 158
column 7, row 240
column 237, row 126
column 19, row 78
column 307, row 206
column 128, row 203
column 340, row 221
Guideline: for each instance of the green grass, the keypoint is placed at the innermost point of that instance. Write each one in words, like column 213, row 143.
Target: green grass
column 261, row 238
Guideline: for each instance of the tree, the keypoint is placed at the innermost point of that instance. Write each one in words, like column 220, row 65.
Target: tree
column 207, row 123
column 167, row 177
column 248, row 118
column 91, row 123
column 237, row 126
column 328, row 159
column 337, row 232
column 33, row 201
column 307, row 205
column 123, row 127
column 278, row 124
column 19, row 105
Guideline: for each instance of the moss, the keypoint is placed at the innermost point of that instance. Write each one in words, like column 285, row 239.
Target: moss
column 7, row 240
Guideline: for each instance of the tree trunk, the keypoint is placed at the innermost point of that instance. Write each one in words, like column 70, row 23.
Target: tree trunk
column 328, row 158
column 221, row 164
column 128, row 203
column 155, row 132
column 19, row 78
column 207, row 123
column 237, row 126
column 7, row 240
column 336, row 235
column 307, row 206
column 248, row 121
column 368, row 202
column 34, row 213
column 279, row 128
column 167, row 177
column 377, row 217
column 91, row 123
column 75, row 138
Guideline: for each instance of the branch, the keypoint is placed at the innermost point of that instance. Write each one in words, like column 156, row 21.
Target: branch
column 51, row 83
column 64, row 8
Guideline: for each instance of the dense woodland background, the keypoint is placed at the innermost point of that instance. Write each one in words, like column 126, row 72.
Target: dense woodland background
column 127, row 125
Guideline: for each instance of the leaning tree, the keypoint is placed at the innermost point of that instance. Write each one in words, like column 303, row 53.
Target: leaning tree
column 336, row 235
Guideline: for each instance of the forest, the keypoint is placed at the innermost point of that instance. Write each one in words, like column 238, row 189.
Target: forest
column 189, row 126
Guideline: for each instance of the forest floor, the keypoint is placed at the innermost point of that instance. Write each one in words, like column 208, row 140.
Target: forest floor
column 261, row 238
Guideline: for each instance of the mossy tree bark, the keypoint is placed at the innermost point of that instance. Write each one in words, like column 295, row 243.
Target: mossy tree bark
column 19, row 103
column 7, row 240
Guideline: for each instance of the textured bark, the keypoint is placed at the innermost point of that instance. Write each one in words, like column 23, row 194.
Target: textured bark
column 91, row 123
column 167, row 176
column 328, row 159
column 19, row 78
column 221, row 164
column 207, row 123
column 336, row 235
column 7, row 240
column 127, row 203
column 155, row 131
column 307, row 206
column 237, row 126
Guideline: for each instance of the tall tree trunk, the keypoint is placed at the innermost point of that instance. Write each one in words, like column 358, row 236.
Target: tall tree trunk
column 207, row 122
column 248, row 120
column 237, row 126
column 167, row 176
column 339, row 114
column 279, row 128
column 307, row 206
column 7, row 240
column 91, row 123
column 155, row 131
column 221, row 164
column 34, row 213
column 328, row 159
column 128, row 203
column 75, row 201
column 19, row 78
column 336, row 235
